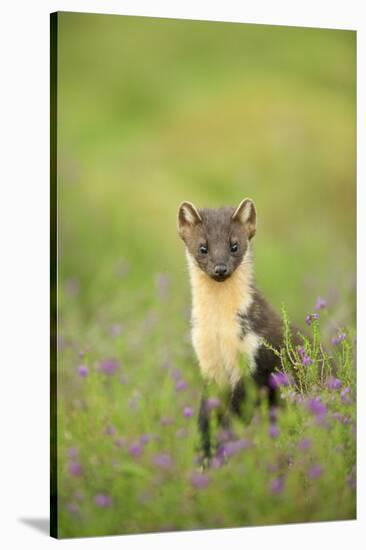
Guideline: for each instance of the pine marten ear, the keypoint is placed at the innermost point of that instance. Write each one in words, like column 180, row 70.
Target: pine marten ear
column 246, row 215
column 188, row 216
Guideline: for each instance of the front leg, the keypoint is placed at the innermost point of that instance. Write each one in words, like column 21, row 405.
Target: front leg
column 205, row 429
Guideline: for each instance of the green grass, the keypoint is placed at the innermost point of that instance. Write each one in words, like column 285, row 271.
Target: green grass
column 153, row 112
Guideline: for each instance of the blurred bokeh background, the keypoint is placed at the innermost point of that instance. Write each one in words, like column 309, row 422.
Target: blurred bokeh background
column 155, row 111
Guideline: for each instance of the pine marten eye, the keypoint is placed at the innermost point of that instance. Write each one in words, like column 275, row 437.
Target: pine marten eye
column 203, row 249
column 234, row 247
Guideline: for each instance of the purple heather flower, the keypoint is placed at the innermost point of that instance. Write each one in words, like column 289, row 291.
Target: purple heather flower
column 166, row 420
column 103, row 500
column 316, row 471
column 135, row 449
column 304, row 444
column 278, row 379
column 351, row 479
column 83, row 371
column 304, row 357
column 145, row 438
column 199, row 480
column 277, row 485
column 181, row 432
column 72, row 452
column 224, row 435
column 109, row 366
column 187, row 412
column 120, row 441
column 339, row 338
column 273, row 414
column 181, row 385
column 273, row 431
column 163, row 461
column 317, row 407
column 217, row 462
column 232, row 447
column 176, row 374
column 333, row 383
column 75, row 469
column 212, row 403
column 320, row 303
column 311, row 317
column 345, row 395
column 162, row 283
column 110, row 430
column 72, row 507
column 306, row 361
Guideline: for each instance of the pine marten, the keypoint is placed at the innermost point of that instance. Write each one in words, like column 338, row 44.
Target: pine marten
column 230, row 317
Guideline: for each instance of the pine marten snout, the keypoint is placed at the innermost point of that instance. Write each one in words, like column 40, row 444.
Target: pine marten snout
column 231, row 319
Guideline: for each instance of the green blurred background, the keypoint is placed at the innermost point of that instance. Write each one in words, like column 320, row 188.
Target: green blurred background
column 156, row 111
column 152, row 112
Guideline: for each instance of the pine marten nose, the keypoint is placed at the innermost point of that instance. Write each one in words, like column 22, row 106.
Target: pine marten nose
column 220, row 270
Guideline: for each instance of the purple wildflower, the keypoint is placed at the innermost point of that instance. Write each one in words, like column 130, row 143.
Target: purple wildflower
column 316, row 471
column 187, row 412
column 176, row 374
column 212, row 403
column 181, row 385
column 217, row 462
column 273, row 431
column 351, row 479
column 333, row 383
column 224, row 435
column 83, row 371
column 110, row 430
column 145, row 438
column 278, row 379
column 232, row 447
column 339, row 338
column 304, row 444
column 72, row 507
column 135, row 449
column 199, row 480
column 309, row 318
column 162, row 283
column 72, row 452
column 163, row 461
column 109, row 366
column 166, row 420
column 304, row 357
column 103, row 500
column 75, row 469
column 345, row 395
column 277, row 485
column 181, row 432
column 120, row 441
column 320, row 303
column 306, row 361
column 317, row 407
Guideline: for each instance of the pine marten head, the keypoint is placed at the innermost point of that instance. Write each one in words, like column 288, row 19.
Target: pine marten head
column 217, row 238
